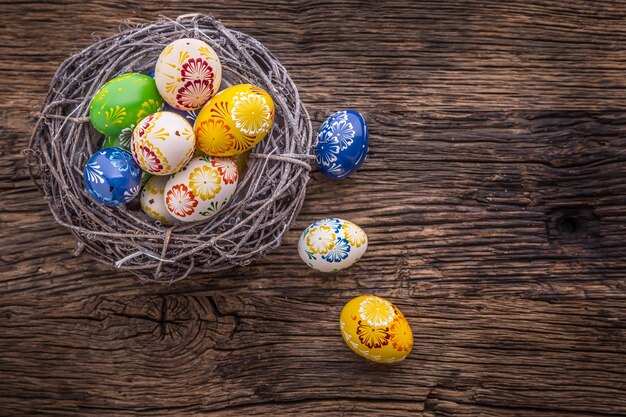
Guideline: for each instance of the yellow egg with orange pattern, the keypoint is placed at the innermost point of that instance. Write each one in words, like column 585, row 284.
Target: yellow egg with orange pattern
column 234, row 120
column 375, row 329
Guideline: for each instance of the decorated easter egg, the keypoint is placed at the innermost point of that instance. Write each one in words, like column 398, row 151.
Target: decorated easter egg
column 202, row 188
column 342, row 144
column 375, row 329
column 330, row 245
column 163, row 143
column 189, row 115
column 145, row 176
column 188, row 73
column 235, row 120
column 112, row 176
column 121, row 103
column 116, row 142
column 153, row 200
column 240, row 159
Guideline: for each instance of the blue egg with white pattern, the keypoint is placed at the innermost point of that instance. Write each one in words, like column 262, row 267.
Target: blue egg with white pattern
column 112, row 177
column 189, row 115
column 342, row 144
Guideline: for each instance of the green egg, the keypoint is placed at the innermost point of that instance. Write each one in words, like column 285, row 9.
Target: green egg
column 145, row 177
column 121, row 141
column 121, row 103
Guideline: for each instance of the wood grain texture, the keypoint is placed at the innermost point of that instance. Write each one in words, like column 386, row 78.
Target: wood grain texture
column 494, row 198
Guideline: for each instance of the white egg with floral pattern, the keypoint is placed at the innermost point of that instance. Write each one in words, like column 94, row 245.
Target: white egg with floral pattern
column 163, row 143
column 329, row 245
column 153, row 200
column 188, row 73
column 202, row 188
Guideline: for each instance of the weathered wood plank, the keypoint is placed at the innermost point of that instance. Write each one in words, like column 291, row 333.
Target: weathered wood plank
column 494, row 198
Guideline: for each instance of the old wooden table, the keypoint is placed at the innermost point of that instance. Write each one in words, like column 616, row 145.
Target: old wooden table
column 494, row 197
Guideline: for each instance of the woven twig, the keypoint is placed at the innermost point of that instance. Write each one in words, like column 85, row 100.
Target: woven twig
column 268, row 197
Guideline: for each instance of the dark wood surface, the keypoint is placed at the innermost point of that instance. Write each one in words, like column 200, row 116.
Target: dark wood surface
column 494, row 198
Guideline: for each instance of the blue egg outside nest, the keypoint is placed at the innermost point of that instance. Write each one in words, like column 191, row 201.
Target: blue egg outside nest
column 112, row 177
column 342, row 144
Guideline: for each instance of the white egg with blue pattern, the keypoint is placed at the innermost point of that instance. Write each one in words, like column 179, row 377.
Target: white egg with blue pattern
column 330, row 245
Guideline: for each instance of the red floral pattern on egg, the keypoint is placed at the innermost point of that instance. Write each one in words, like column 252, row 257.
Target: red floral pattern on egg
column 197, row 69
column 150, row 159
column 144, row 126
column 194, row 94
column 227, row 169
column 181, row 201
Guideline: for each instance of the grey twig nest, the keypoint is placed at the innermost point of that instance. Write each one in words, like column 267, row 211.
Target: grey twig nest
column 267, row 200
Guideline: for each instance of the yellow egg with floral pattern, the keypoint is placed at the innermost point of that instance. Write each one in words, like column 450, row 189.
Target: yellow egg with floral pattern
column 235, row 120
column 375, row 329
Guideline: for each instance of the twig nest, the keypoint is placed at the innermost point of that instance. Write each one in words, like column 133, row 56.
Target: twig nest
column 260, row 210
